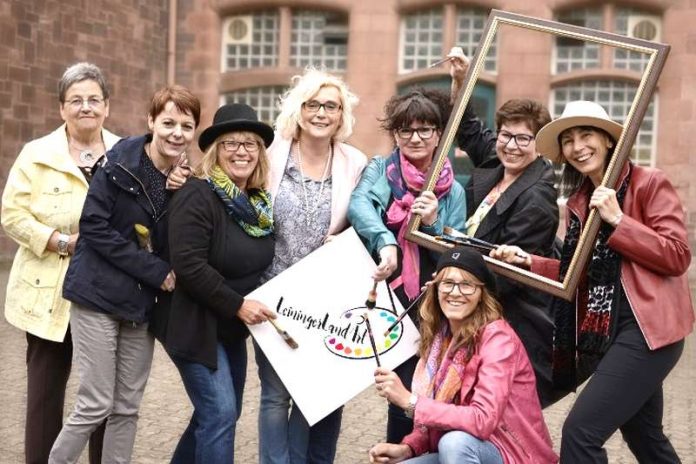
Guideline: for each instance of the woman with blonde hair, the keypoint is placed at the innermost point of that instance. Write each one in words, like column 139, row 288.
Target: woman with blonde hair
column 221, row 240
column 474, row 394
column 312, row 174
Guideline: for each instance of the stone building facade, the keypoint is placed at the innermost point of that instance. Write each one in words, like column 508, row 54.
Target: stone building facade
column 233, row 50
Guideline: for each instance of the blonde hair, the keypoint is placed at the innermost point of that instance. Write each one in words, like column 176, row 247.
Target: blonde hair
column 433, row 319
column 304, row 88
column 257, row 179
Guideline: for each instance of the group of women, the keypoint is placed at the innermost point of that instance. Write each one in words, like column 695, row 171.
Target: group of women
column 169, row 249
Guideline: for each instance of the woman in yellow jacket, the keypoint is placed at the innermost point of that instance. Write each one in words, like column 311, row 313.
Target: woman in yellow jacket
column 41, row 208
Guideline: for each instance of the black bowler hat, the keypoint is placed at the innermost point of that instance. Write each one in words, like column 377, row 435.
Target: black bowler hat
column 470, row 261
column 235, row 117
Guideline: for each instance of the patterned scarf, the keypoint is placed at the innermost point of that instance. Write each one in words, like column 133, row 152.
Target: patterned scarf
column 406, row 183
column 439, row 376
column 253, row 213
column 574, row 363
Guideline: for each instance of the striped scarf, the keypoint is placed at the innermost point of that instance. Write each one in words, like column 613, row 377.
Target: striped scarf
column 253, row 212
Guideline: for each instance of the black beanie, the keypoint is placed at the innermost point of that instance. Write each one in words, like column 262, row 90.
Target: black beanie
column 470, row 261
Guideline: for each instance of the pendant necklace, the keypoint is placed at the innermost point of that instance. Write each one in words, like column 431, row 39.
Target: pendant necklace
column 309, row 209
column 86, row 156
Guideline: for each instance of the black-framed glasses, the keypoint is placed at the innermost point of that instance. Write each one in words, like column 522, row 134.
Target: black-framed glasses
column 77, row 103
column 521, row 140
column 424, row 133
column 314, row 106
column 232, row 146
column 465, row 287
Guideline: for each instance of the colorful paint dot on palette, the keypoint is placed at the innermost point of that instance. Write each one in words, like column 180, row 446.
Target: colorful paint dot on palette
column 347, row 350
column 358, row 351
column 387, row 343
column 391, row 318
column 368, row 352
column 332, row 341
column 339, row 347
column 393, row 336
column 383, row 314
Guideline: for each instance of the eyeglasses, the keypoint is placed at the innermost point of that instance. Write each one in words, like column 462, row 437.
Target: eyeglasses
column 465, row 287
column 314, row 106
column 232, row 146
column 521, row 140
column 92, row 102
column 424, row 133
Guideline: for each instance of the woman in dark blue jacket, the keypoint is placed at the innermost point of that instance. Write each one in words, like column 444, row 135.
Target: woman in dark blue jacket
column 116, row 275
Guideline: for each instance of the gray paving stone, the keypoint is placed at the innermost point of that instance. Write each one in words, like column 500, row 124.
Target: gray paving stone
column 165, row 410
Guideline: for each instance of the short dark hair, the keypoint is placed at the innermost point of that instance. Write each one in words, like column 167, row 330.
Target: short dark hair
column 183, row 99
column 427, row 105
column 531, row 112
column 79, row 72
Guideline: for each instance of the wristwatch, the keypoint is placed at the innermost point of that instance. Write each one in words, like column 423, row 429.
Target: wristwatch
column 63, row 240
column 411, row 408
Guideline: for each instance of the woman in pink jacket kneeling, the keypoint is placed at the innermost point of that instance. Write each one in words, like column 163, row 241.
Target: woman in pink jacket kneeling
column 474, row 397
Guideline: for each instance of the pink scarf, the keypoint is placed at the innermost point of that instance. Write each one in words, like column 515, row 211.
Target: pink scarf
column 406, row 183
column 439, row 376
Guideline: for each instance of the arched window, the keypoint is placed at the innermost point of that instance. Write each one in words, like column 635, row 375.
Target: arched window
column 616, row 97
column 470, row 25
column 263, row 99
column 250, row 41
column 421, row 39
column 320, row 39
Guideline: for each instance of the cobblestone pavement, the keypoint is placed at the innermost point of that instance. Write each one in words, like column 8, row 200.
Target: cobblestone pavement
column 165, row 410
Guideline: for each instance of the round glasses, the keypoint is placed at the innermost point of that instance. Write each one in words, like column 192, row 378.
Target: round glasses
column 314, row 106
column 465, row 287
column 233, row 146
column 521, row 140
column 424, row 133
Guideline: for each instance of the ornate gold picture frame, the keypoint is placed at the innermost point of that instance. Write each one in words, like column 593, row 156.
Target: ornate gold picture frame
column 656, row 55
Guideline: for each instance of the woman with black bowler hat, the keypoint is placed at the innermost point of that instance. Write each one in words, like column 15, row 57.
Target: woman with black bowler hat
column 221, row 240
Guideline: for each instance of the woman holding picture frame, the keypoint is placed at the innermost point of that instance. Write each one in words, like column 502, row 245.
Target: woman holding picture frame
column 633, row 305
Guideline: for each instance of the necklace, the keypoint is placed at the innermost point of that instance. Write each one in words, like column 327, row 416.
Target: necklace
column 309, row 209
column 86, row 156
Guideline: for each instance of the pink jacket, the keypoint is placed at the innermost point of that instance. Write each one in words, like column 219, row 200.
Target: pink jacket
column 498, row 402
column 346, row 168
column 652, row 241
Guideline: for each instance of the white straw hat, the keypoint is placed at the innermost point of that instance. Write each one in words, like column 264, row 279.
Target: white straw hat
column 575, row 113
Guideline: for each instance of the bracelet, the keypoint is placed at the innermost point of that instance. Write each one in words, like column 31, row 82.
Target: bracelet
column 616, row 220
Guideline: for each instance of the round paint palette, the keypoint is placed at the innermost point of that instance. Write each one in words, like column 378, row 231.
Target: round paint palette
column 355, row 342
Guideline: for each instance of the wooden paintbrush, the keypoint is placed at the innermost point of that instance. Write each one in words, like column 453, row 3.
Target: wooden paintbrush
column 283, row 333
column 372, row 338
column 402, row 315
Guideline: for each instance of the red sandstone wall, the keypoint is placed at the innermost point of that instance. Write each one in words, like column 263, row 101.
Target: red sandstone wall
column 40, row 38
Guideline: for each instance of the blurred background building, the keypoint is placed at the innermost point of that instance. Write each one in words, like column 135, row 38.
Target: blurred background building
column 248, row 50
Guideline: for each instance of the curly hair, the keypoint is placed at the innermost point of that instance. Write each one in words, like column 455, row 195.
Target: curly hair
column 304, row 88
column 430, row 106
column 433, row 318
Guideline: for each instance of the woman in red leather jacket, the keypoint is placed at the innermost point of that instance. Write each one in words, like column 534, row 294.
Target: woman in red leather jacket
column 633, row 306
column 473, row 397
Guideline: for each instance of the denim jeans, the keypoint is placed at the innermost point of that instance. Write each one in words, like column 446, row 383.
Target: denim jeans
column 459, row 447
column 288, row 439
column 216, row 396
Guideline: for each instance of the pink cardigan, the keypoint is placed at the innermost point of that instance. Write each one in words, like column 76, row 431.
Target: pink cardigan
column 497, row 402
column 346, row 168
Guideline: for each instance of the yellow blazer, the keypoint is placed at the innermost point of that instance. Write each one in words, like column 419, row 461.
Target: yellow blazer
column 45, row 191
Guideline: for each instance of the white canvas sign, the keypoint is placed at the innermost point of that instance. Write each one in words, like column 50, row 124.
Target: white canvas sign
column 323, row 310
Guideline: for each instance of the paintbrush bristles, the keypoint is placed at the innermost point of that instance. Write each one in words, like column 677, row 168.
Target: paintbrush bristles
column 284, row 334
column 371, row 301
